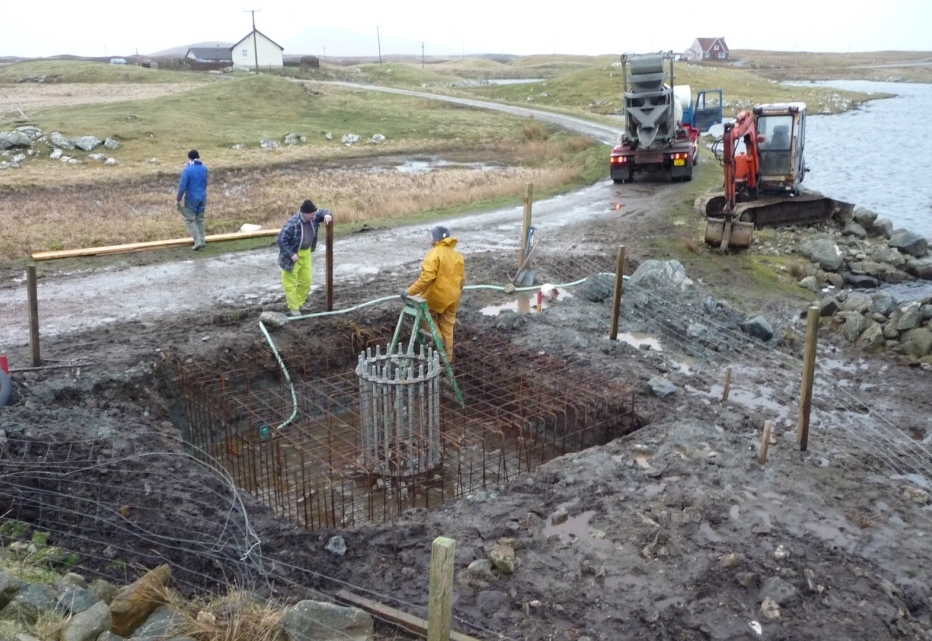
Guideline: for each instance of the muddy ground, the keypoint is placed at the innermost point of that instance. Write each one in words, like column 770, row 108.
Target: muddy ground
column 674, row 532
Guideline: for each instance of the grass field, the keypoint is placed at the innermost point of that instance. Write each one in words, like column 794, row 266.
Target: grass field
column 47, row 204
column 160, row 114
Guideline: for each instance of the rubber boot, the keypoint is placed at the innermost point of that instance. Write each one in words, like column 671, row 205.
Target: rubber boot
column 192, row 229
column 201, row 239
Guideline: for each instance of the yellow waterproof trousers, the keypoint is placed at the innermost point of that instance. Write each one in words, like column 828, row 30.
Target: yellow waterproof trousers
column 297, row 282
column 445, row 321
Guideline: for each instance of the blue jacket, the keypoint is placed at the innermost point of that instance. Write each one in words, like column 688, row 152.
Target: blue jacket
column 290, row 237
column 193, row 187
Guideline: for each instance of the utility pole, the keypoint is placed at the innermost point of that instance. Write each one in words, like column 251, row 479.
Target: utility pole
column 255, row 46
column 325, row 53
column 422, row 54
column 378, row 39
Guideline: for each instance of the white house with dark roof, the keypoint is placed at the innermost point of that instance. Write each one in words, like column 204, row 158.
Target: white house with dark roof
column 707, row 49
column 257, row 49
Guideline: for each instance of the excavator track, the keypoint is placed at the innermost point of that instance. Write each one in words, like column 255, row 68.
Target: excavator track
column 735, row 231
column 778, row 211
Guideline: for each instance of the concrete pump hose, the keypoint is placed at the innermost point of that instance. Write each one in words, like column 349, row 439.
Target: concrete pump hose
column 6, row 388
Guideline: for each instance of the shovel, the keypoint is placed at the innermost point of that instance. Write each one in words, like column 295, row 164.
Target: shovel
column 525, row 277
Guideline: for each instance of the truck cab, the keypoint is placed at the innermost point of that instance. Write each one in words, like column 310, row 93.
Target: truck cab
column 705, row 111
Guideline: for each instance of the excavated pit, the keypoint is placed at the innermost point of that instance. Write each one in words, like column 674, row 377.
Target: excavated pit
column 308, row 462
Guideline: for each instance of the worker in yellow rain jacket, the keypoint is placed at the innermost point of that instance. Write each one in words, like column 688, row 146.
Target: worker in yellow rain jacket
column 443, row 276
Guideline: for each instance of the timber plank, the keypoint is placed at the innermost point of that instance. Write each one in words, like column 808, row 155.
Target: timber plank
column 403, row 620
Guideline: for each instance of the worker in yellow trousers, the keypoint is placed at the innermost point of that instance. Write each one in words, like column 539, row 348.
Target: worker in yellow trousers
column 441, row 282
column 296, row 240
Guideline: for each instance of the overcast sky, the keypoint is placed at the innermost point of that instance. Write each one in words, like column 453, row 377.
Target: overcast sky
column 348, row 27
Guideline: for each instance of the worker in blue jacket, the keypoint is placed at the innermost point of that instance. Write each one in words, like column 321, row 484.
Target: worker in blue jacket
column 193, row 187
column 296, row 240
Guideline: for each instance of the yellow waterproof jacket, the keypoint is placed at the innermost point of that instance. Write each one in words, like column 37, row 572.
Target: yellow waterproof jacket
column 443, row 276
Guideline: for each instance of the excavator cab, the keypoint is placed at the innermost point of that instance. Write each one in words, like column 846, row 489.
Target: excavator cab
column 783, row 129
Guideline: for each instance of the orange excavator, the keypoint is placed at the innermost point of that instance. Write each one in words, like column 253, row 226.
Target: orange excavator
column 762, row 155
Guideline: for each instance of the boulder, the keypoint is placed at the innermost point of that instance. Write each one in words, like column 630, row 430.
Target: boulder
column 864, row 217
column 291, row 139
column 9, row 586
column 15, row 140
column 349, row 139
column 336, row 545
column 758, row 327
column 133, row 604
column 268, row 143
column 860, row 281
column 882, row 227
column 854, row 229
column 883, row 304
column 317, row 621
column 29, row 603
column 910, row 317
column 872, row 336
column 598, row 288
column 111, row 144
column 926, row 312
column 87, row 143
column 89, row 624
column 661, row 387
column 896, row 276
column 835, row 280
column 888, row 255
column 661, row 275
column 855, row 324
column 74, row 600
column 828, row 306
column 60, row 141
column 696, row 330
column 809, row 282
column 161, row 624
column 920, row 267
column 857, row 302
column 868, row 267
column 824, row 252
column 917, row 342
column 503, row 558
column 890, row 331
column 103, row 590
column 908, row 242
column 378, row 138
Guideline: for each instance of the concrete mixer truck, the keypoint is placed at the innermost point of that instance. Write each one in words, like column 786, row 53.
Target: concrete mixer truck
column 662, row 124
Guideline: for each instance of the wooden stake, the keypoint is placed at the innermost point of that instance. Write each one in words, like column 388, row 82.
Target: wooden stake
column 805, row 392
column 616, row 299
column 440, row 598
column 330, row 267
column 32, row 292
column 764, row 444
column 727, row 389
column 528, row 197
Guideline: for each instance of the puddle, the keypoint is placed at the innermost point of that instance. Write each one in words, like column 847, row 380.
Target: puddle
column 641, row 341
column 424, row 166
column 523, row 305
column 576, row 528
column 757, row 400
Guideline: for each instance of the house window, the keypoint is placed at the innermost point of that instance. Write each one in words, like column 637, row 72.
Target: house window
column 705, row 54
column 721, row 55
column 715, row 48
column 245, row 53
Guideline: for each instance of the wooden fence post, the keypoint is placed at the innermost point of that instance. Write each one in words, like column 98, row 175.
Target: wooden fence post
column 32, row 292
column 616, row 299
column 440, row 599
column 330, row 267
column 805, row 392
column 764, row 443
column 727, row 389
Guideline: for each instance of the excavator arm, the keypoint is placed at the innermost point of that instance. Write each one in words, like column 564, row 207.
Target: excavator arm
column 748, row 175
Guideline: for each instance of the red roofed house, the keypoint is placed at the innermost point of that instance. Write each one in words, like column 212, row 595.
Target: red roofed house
column 707, row 49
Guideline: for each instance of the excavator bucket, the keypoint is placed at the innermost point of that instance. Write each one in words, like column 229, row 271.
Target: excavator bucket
column 727, row 233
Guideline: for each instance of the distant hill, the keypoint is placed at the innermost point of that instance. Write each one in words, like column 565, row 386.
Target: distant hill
column 180, row 51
